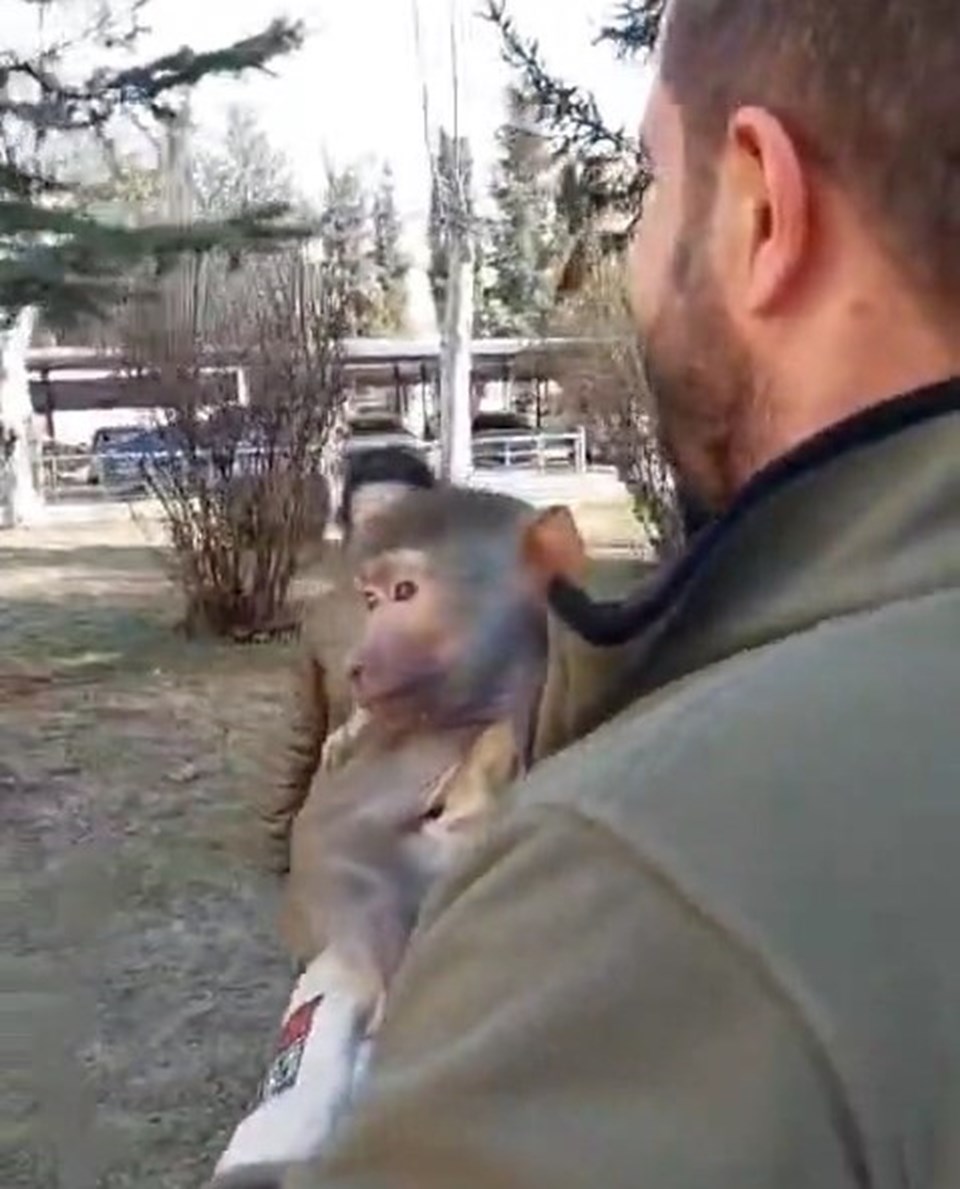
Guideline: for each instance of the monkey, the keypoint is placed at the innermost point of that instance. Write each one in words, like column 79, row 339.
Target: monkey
column 447, row 675
column 454, row 644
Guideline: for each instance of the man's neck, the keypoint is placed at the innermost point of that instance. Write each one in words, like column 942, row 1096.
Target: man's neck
column 874, row 342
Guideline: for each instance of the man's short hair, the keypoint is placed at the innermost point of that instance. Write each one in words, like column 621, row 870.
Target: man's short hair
column 385, row 464
column 869, row 89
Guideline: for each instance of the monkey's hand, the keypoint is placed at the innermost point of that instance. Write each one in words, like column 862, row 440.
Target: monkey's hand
column 339, row 744
column 552, row 548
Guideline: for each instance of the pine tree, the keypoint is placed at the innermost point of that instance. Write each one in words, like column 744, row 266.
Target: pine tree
column 348, row 249
column 604, row 160
column 523, row 236
column 601, row 184
column 55, row 255
column 635, row 27
column 390, row 265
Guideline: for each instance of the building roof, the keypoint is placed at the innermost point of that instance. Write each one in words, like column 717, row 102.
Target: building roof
column 77, row 378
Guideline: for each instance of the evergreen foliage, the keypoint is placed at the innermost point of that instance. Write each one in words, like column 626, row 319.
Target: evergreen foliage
column 523, row 236
column 56, row 252
column 389, row 262
column 605, row 174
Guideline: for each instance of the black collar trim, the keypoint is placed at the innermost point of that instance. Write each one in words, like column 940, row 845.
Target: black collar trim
column 867, row 428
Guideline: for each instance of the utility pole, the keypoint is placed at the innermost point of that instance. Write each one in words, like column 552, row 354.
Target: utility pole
column 456, row 436
column 21, row 501
column 455, row 361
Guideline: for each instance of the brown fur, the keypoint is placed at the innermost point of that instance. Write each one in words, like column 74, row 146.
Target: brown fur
column 448, row 677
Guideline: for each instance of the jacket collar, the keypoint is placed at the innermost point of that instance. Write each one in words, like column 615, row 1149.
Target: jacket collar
column 866, row 513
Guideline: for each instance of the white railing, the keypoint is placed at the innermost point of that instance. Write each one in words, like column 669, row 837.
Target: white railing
column 534, row 451
column 65, row 474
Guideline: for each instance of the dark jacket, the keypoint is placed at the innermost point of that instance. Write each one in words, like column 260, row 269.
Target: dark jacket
column 715, row 944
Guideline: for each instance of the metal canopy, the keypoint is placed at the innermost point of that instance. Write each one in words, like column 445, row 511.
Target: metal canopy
column 75, row 379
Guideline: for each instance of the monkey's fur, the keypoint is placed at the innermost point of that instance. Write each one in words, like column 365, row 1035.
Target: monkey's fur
column 448, row 678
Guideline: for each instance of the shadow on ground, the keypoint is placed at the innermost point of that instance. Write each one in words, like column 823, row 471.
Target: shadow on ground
column 93, row 557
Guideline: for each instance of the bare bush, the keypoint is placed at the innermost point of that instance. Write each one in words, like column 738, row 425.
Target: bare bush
column 604, row 386
column 250, row 373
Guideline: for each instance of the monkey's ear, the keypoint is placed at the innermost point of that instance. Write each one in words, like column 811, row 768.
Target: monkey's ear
column 553, row 548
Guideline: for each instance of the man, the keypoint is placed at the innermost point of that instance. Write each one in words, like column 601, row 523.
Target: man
column 320, row 699
column 715, row 944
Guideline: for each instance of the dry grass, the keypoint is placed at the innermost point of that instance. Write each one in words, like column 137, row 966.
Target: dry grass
column 143, row 975
column 141, row 938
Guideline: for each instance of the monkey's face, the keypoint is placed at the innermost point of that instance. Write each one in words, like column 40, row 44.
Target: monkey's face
column 411, row 638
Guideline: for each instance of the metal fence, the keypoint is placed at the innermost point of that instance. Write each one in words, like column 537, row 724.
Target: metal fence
column 535, row 451
column 67, row 475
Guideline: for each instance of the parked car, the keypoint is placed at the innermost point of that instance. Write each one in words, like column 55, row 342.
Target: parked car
column 502, row 423
column 122, row 461
column 376, row 432
column 105, row 441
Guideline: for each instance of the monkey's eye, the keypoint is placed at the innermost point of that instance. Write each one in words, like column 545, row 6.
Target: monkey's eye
column 370, row 598
column 404, row 591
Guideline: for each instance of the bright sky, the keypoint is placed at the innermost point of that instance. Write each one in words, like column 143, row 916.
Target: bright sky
column 354, row 90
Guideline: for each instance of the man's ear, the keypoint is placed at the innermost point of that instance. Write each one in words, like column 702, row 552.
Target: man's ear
column 552, row 548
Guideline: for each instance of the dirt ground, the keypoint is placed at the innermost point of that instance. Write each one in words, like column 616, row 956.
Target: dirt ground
column 142, row 979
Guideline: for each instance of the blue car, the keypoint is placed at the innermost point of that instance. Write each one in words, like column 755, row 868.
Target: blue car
column 122, row 461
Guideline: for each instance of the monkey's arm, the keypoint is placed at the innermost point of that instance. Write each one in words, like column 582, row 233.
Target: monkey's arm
column 568, row 1018
column 299, row 754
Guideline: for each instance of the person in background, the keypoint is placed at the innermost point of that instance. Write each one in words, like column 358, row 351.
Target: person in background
column 714, row 945
column 320, row 697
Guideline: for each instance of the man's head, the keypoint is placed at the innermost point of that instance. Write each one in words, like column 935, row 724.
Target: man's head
column 798, row 255
column 375, row 479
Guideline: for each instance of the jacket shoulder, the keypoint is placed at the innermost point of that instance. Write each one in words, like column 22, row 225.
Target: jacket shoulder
column 802, row 798
column 794, row 709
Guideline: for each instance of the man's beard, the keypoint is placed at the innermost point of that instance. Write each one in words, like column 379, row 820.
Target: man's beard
column 704, row 389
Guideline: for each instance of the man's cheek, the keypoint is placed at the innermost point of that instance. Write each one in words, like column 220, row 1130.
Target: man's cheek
column 645, row 280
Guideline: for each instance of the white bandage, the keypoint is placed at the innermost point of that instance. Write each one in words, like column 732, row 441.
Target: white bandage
column 311, row 1078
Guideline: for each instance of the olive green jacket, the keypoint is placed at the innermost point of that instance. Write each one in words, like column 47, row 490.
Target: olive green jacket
column 715, row 944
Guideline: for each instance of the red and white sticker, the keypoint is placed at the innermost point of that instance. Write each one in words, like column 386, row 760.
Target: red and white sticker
column 283, row 1071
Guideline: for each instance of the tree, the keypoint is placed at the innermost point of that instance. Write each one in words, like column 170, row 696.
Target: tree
column 243, row 174
column 390, row 265
column 601, row 185
column 635, row 26
column 522, row 238
column 604, row 386
column 612, row 172
column 247, row 419
column 248, row 363
column 54, row 255
column 61, row 257
column 348, row 249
